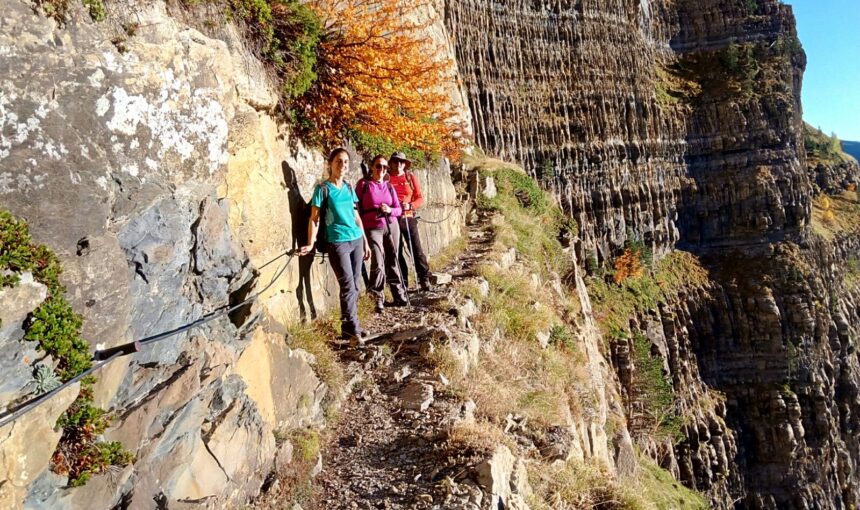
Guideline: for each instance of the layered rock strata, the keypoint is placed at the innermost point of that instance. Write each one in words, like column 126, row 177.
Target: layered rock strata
column 679, row 124
column 566, row 89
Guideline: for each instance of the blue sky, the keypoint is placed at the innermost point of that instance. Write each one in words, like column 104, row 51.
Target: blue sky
column 830, row 33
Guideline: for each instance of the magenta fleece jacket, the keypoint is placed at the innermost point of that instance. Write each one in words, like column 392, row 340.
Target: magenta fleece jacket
column 372, row 194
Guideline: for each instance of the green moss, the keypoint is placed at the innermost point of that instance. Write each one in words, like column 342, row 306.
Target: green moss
column 96, row 9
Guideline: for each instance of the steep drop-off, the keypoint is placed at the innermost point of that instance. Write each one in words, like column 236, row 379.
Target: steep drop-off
column 678, row 124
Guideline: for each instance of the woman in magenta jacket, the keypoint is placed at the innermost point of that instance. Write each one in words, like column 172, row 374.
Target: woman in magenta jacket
column 380, row 209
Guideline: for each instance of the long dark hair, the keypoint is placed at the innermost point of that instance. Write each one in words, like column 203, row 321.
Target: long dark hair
column 335, row 153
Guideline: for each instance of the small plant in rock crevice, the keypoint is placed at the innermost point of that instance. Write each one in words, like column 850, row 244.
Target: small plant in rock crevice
column 59, row 9
column 56, row 329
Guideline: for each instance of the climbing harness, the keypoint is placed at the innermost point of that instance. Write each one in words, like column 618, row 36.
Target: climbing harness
column 105, row 356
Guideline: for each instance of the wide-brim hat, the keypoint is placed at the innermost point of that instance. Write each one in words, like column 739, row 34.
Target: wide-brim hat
column 399, row 156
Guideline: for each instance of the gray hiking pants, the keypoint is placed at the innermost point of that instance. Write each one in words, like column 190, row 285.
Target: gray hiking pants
column 346, row 261
column 384, row 245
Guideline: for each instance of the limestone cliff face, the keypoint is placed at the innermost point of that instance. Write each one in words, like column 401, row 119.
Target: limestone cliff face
column 678, row 124
column 164, row 182
column 566, row 89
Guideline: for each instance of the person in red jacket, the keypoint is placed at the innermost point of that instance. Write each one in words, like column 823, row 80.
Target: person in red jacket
column 409, row 192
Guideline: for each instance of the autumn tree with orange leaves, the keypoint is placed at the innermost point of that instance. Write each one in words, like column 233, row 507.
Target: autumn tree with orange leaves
column 379, row 76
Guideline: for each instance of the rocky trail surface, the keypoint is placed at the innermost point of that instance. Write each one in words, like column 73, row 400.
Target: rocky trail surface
column 391, row 448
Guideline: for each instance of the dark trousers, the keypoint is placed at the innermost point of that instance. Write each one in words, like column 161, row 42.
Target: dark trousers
column 384, row 244
column 413, row 240
column 346, row 262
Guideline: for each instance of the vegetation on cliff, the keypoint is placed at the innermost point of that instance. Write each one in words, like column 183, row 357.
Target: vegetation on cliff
column 821, row 148
column 631, row 288
column 56, row 329
column 533, row 367
column 757, row 71
column 353, row 70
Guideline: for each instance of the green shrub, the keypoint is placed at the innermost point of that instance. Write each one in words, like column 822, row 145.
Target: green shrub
column 285, row 35
column 56, row 329
column 19, row 254
column 96, row 9
column 59, row 9
column 79, row 453
column 561, row 337
column 303, row 47
column 97, row 457
column 372, row 145
column 653, row 390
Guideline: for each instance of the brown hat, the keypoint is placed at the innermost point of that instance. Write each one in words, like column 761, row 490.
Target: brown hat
column 399, row 156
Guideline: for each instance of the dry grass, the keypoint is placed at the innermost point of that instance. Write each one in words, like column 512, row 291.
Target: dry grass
column 481, row 162
column 516, row 376
column 836, row 214
column 478, row 436
column 315, row 337
column 580, row 486
column 442, row 259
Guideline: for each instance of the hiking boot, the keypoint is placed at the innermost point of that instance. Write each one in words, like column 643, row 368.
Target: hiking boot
column 380, row 307
column 399, row 302
column 425, row 286
column 354, row 339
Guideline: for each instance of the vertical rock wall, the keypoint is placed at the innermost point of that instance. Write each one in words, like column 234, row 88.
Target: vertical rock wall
column 651, row 121
column 153, row 165
column 566, row 89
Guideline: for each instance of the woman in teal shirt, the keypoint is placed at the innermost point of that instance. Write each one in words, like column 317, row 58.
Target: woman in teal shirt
column 347, row 246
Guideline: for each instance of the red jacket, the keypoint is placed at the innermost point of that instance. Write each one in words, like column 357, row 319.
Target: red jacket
column 408, row 191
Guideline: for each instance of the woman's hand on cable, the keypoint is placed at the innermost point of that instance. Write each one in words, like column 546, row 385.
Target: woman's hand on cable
column 384, row 208
column 304, row 250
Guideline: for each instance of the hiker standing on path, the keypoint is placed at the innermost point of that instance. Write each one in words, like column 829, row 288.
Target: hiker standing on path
column 380, row 208
column 409, row 193
column 344, row 237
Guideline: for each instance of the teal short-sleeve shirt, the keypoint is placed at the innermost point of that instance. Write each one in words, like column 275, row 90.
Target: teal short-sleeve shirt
column 339, row 220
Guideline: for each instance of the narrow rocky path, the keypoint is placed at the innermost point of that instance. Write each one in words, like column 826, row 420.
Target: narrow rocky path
column 390, row 449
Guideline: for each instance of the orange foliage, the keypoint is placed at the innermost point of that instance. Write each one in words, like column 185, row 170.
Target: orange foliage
column 628, row 265
column 378, row 73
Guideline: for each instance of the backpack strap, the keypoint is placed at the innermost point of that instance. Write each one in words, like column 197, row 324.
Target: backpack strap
column 324, row 202
column 360, row 191
column 392, row 193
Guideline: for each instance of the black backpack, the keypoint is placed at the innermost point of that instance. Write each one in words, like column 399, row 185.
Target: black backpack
column 322, row 244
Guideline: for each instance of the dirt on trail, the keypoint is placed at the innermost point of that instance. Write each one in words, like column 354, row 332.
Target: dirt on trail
column 390, row 448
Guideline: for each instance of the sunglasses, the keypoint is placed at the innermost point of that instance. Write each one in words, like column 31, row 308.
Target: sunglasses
column 384, row 167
